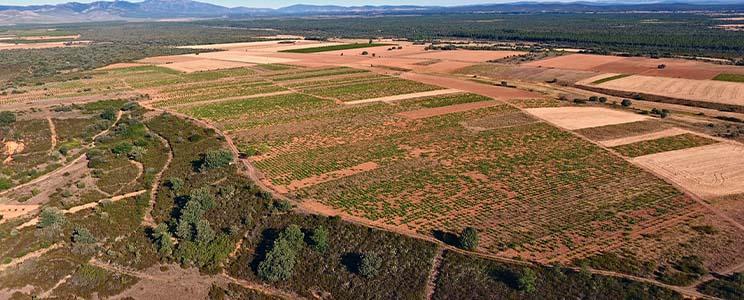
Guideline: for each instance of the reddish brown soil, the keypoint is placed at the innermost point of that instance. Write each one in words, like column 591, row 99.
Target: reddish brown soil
column 438, row 111
column 495, row 92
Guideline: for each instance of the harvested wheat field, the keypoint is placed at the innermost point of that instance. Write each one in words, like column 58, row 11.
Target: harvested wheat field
column 709, row 171
column 698, row 90
column 205, row 65
column 572, row 118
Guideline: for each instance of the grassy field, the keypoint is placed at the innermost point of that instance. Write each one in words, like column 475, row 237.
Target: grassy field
column 730, row 77
column 664, row 144
column 611, row 78
column 335, row 48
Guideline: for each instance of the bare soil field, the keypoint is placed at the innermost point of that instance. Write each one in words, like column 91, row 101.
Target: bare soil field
column 169, row 59
column 731, row 93
column 11, row 211
column 709, row 171
column 406, row 96
column 584, row 62
column 675, row 68
column 267, row 46
column 120, row 66
column 572, row 118
column 205, row 65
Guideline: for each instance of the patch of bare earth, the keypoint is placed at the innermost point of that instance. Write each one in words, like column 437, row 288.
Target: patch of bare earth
column 438, row 111
column 310, row 181
column 11, row 148
column 643, row 137
column 584, row 117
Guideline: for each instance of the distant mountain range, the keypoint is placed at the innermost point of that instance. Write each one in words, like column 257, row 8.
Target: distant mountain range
column 176, row 9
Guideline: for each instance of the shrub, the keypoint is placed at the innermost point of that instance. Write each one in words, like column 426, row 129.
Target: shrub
column 469, row 239
column 370, row 265
column 175, row 183
column 108, row 114
column 122, row 148
column 7, row 118
column 626, row 103
column 602, row 99
column 526, row 281
column 51, row 217
column 215, row 159
column 280, row 261
column 319, row 239
column 163, row 240
column 83, row 236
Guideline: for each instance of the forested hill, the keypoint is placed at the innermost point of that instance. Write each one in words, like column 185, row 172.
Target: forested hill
column 164, row 9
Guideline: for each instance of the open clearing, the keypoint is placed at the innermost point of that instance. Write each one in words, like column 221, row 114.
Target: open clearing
column 238, row 56
column 466, row 55
column 698, row 90
column 709, row 171
column 205, row 65
column 584, row 117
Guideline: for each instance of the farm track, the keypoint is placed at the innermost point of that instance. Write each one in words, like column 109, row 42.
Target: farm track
column 489, row 91
column 436, row 265
column 53, row 136
column 29, row 256
column 64, row 168
column 148, row 220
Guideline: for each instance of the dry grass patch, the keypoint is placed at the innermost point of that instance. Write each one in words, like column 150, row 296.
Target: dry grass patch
column 572, row 118
column 664, row 144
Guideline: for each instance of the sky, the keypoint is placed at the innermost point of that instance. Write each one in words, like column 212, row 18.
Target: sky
column 282, row 3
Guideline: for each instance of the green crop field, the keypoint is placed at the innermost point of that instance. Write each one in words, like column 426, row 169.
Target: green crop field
column 730, row 77
column 677, row 142
column 335, row 48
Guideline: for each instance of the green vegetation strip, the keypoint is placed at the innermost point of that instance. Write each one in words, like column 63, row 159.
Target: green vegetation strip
column 665, row 144
column 611, row 78
column 334, row 48
column 730, row 77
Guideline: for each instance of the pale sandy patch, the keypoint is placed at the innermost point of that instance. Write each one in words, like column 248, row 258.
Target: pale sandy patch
column 708, row 171
column 121, row 66
column 406, row 96
column 584, row 62
column 49, row 37
column 473, row 56
column 238, row 56
column 438, row 111
column 644, row 137
column 572, row 118
column 12, row 211
column 690, row 89
column 310, row 181
column 592, row 79
column 205, row 65
column 11, row 148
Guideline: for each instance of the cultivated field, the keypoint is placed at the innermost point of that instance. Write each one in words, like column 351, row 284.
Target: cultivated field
column 710, row 171
column 699, row 90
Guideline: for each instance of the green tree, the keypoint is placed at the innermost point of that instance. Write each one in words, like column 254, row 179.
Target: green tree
column 108, row 114
column 204, row 232
column 526, row 281
column 215, row 159
column 370, row 265
column 319, row 238
column 83, row 236
column 280, row 261
column 469, row 239
column 164, row 240
column 204, row 196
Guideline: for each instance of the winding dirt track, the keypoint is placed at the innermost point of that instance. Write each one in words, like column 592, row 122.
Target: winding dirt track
column 148, row 220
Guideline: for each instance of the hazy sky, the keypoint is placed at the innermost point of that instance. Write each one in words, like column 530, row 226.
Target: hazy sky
column 281, row 3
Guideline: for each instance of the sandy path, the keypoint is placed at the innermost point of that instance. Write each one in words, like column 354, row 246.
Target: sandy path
column 406, row 96
column 9, row 212
column 48, row 293
column 148, row 220
column 140, row 172
column 644, row 137
column 436, row 265
column 53, row 137
column 28, row 256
